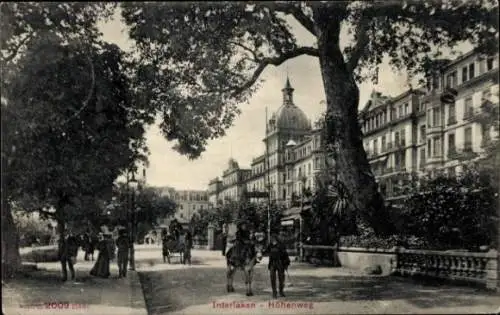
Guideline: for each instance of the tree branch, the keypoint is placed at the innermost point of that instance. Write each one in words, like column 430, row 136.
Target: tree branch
column 296, row 12
column 89, row 93
column 253, row 52
column 16, row 48
column 276, row 61
column 361, row 43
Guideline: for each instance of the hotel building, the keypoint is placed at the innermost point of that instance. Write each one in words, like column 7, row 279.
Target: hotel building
column 419, row 132
column 439, row 129
column 188, row 203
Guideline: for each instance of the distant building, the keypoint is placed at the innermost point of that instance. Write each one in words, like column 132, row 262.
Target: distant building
column 288, row 165
column 188, row 203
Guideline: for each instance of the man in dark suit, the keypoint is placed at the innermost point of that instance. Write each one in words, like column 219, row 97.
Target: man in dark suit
column 123, row 245
column 278, row 263
column 68, row 250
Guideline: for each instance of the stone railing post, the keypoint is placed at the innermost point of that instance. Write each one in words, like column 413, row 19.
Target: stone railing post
column 491, row 270
column 395, row 259
column 211, row 237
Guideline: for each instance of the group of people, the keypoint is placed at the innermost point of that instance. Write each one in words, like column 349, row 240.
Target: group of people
column 279, row 260
column 108, row 248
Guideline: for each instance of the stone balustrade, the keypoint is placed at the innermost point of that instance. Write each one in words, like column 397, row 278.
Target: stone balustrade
column 474, row 267
column 464, row 266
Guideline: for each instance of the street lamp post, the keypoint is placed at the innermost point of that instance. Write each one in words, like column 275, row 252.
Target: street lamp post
column 132, row 184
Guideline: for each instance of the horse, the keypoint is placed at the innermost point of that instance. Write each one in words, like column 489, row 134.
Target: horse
column 246, row 261
column 173, row 245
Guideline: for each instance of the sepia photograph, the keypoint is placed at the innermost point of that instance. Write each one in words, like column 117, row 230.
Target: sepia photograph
column 250, row 157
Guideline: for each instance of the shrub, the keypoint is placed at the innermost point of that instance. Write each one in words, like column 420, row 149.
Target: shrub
column 452, row 213
column 45, row 254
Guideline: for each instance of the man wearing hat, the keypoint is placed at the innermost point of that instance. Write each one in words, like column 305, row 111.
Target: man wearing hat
column 123, row 244
column 67, row 252
column 278, row 263
column 242, row 238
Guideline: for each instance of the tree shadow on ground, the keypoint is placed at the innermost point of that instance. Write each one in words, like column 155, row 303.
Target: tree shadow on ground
column 180, row 289
column 46, row 286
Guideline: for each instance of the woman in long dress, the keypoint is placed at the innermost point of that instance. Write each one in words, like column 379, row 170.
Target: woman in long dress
column 101, row 266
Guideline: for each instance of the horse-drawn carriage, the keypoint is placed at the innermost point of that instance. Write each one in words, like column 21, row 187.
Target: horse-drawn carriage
column 175, row 246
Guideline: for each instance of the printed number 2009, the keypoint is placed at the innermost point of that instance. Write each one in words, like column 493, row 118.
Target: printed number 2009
column 64, row 305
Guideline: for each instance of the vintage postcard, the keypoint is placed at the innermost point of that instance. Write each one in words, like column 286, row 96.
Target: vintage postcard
column 267, row 157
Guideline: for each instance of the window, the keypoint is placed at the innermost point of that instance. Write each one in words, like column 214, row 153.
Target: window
column 396, row 138
column 436, row 117
column 429, row 118
column 451, row 143
column 403, row 159
column 422, row 157
column 375, row 146
column 383, row 143
column 406, row 109
column 452, row 172
column 435, row 83
column 451, row 80
column 429, row 147
column 451, row 114
column 423, row 107
column 309, row 168
column 422, row 133
column 468, row 139
column 393, row 113
column 489, row 64
column 471, row 71
column 468, row 107
column 464, row 74
column 400, row 114
column 403, row 140
column 437, row 147
column 486, row 96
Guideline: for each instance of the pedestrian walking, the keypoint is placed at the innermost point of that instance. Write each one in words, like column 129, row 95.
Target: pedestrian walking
column 68, row 250
column 101, row 266
column 224, row 239
column 278, row 264
column 123, row 245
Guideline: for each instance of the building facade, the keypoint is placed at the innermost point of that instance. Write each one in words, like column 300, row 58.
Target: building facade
column 437, row 129
column 188, row 203
column 288, row 165
column 420, row 132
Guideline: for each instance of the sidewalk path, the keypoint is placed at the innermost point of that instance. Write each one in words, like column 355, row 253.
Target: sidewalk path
column 35, row 292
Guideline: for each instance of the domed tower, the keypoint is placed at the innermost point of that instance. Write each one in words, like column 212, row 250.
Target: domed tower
column 288, row 123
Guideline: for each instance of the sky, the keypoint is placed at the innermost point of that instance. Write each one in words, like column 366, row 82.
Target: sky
column 244, row 140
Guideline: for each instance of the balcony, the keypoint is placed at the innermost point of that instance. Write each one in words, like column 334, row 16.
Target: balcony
column 452, row 120
column 462, row 154
column 434, row 129
column 448, row 96
column 469, row 114
column 438, row 158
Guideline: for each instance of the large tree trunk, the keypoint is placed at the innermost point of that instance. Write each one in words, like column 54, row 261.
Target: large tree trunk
column 343, row 134
column 11, row 260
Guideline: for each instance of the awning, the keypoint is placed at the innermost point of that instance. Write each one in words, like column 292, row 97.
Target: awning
column 381, row 159
column 286, row 222
column 290, row 218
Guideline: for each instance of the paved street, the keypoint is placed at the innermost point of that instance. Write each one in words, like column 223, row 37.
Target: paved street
column 179, row 289
column 200, row 289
